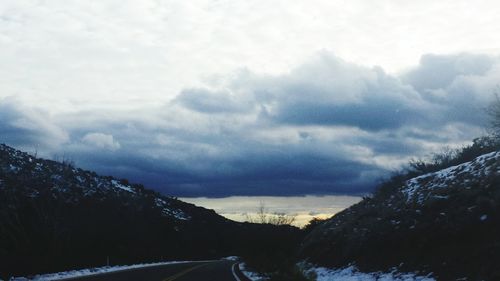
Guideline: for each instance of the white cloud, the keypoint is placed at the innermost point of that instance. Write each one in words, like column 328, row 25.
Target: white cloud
column 101, row 140
column 56, row 53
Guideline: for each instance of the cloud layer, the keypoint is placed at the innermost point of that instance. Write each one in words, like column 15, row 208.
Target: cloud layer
column 325, row 127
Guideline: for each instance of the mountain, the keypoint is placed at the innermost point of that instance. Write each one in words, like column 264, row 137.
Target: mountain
column 56, row 217
column 445, row 222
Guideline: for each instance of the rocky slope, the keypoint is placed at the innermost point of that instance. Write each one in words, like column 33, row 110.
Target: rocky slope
column 446, row 222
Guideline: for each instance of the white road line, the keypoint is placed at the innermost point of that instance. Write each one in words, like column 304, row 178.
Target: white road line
column 234, row 272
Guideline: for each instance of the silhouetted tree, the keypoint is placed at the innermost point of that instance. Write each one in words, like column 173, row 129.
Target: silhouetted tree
column 494, row 112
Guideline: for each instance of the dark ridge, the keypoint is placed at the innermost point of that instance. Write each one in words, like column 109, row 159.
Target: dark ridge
column 55, row 217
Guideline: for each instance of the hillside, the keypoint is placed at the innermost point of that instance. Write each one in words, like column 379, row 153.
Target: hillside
column 446, row 222
column 56, row 217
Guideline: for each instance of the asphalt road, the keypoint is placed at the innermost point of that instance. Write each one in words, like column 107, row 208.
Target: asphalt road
column 191, row 271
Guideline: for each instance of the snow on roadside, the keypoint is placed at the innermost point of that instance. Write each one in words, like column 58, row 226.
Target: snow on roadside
column 251, row 275
column 351, row 273
column 89, row 271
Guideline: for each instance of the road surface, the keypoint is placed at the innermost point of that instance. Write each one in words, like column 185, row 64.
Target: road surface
column 191, row 271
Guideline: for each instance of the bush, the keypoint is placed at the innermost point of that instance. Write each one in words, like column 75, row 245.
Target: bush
column 312, row 224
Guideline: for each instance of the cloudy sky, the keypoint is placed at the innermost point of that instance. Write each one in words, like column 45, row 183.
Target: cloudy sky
column 218, row 98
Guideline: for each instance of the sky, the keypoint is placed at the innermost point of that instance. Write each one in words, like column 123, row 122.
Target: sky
column 221, row 98
column 300, row 209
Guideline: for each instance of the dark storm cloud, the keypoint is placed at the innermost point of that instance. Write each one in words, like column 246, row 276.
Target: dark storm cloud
column 376, row 116
column 370, row 100
column 326, row 127
column 28, row 127
column 325, row 91
column 328, row 91
column 192, row 163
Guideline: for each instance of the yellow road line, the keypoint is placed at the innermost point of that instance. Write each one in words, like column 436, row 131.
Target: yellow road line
column 182, row 273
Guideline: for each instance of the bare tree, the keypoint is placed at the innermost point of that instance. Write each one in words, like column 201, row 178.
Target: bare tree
column 494, row 111
column 275, row 218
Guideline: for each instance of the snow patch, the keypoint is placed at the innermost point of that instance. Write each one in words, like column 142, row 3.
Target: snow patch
column 122, row 186
column 90, row 271
column 178, row 214
column 351, row 273
column 251, row 275
column 13, row 168
column 169, row 212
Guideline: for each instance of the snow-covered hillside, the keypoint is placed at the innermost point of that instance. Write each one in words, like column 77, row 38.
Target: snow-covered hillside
column 467, row 175
column 73, row 183
column 445, row 223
